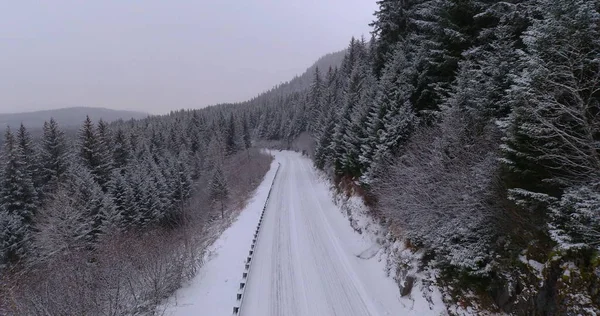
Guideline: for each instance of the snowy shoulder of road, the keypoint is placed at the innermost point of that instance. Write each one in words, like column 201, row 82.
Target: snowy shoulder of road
column 213, row 290
column 310, row 261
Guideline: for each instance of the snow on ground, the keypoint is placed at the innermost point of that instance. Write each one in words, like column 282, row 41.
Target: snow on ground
column 310, row 261
column 213, row 291
column 391, row 254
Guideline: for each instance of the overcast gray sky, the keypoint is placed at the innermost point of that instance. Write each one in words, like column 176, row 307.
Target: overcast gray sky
column 155, row 56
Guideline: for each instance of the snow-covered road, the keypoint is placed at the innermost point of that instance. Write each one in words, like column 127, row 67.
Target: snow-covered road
column 213, row 290
column 305, row 262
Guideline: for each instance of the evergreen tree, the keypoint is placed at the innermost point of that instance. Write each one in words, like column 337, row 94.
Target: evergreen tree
column 553, row 131
column 195, row 133
column 94, row 154
column 390, row 27
column 181, row 186
column 54, row 157
column 314, row 101
column 120, row 192
column 440, row 31
column 554, row 127
column 121, row 150
column 105, row 155
column 17, row 197
column 323, row 136
column 29, row 158
column 88, row 144
column 231, row 137
column 13, row 234
column 355, row 136
column 18, row 192
column 133, row 214
column 345, row 157
column 96, row 208
column 246, row 133
column 218, row 188
column 392, row 117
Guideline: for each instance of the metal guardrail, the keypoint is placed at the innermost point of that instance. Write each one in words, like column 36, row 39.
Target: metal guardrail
column 248, row 265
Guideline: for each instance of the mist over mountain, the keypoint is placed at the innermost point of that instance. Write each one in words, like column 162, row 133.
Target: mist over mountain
column 298, row 83
column 66, row 117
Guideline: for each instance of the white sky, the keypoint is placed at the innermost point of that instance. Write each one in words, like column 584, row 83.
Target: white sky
column 155, row 56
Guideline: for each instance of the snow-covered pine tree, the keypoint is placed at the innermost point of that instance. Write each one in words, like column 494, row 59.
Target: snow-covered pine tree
column 323, row 136
column 88, row 144
column 94, row 155
column 96, row 208
column 29, row 158
column 246, row 136
column 193, row 133
column 489, row 69
column 18, row 200
column 105, row 154
column 342, row 156
column 121, row 150
column 120, row 192
column 315, row 98
column 392, row 118
column 440, row 30
column 390, row 27
column 554, row 129
column 175, row 143
column 232, row 137
column 218, row 188
column 181, row 186
column 356, row 136
column 54, row 157
column 17, row 195
column 163, row 192
column 13, row 234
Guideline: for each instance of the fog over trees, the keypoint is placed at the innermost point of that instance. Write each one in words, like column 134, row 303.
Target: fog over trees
column 471, row 128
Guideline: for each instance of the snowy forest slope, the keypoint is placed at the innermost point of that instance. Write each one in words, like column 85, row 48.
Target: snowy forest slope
column 113, row 218
column 163, row 185
column 472, row 129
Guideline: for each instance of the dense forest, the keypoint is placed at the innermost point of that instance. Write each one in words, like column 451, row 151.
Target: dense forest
column 111, row 220
column 470, row 127
column 473, row 130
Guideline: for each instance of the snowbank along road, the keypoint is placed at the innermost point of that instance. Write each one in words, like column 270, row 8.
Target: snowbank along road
column 305, row 260
column 304, row 263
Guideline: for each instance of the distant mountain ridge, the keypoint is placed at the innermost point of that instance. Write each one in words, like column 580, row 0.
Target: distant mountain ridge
column 303, row 81
column 73, row 116
column 296, row 84
column 66, row 117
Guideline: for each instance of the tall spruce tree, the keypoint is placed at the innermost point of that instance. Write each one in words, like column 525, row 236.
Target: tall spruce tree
column 554, row 128
column 218, row 188
column 17, row 197
column 231, row 136
column 54, row 157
